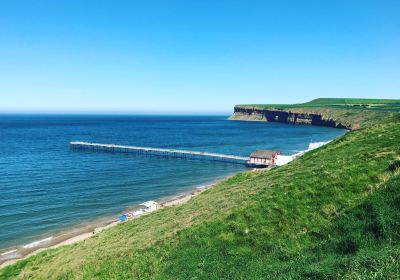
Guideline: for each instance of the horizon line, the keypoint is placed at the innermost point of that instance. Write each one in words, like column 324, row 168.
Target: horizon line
column 171, row 113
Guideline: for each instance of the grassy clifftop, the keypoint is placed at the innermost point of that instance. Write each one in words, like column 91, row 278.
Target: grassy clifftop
column 341, row 112
column 333, row 213
column 343, row 103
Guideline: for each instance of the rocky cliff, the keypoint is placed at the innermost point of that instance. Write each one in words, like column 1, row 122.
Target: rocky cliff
column 294, row 116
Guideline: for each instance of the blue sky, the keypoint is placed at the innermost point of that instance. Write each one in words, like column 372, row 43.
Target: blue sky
column 193, row 56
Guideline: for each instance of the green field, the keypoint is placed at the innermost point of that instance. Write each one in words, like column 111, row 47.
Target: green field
column 334, row 213
column 341, row 103
column 352, row 101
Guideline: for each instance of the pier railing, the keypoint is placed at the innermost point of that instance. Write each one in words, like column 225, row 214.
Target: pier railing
column 159, row 152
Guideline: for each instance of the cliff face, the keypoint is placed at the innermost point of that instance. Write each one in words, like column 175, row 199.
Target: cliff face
column 285, row 116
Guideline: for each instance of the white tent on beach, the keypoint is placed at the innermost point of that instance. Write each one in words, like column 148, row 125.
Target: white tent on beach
column 150, row 206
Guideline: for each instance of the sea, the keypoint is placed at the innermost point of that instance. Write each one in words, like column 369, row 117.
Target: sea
column 47, row 188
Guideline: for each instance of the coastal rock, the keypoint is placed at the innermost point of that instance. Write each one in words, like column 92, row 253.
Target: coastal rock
column 285, row 116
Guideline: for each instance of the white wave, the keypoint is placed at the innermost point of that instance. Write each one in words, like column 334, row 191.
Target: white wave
column 315, row 145
column 37, row 243
column 9, row 255
column 282, row 159
column 8, row 252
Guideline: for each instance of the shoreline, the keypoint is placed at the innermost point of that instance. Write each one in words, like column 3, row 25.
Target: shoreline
column 85, row 232
column 89, row 230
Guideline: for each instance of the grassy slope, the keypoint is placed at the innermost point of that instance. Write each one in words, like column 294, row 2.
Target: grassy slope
column 332, row 213
column 333, row 220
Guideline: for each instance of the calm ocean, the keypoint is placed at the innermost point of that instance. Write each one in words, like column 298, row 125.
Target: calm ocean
column 46, row 188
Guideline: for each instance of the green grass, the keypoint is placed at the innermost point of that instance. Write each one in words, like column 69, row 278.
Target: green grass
column 352, row 101
column 348, row 103
column 333, row 213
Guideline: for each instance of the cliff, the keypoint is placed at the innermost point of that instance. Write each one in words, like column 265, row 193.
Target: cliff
column 339, row 113
column 289, row 116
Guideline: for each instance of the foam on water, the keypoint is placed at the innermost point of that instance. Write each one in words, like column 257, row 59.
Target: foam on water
column 37, row 243
column 282, row 159
column 9, row 255
column 315, row 145
column 9, row 252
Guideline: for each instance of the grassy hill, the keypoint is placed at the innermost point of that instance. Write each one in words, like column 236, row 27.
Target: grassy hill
column 333, row 213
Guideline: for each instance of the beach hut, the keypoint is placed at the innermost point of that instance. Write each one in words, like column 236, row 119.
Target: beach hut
column 263, row 158
column 150, row 206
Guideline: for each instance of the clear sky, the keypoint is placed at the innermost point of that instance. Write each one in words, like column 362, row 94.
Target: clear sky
column 194, row 56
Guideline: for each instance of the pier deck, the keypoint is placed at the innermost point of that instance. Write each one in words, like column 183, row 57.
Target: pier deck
column 159, row 152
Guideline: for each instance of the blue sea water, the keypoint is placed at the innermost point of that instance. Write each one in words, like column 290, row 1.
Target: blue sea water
column 45, row 187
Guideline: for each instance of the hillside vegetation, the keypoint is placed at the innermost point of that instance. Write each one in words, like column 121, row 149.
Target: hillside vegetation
column 333, row 213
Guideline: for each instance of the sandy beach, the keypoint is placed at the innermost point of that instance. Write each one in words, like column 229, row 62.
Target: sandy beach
column 78, row 235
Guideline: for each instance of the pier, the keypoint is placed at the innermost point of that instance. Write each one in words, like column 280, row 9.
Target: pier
column 159, row 152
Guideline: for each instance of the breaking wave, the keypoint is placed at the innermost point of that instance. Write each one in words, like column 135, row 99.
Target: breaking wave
column 37, row 243
column 315, row 145
column 282, row 159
